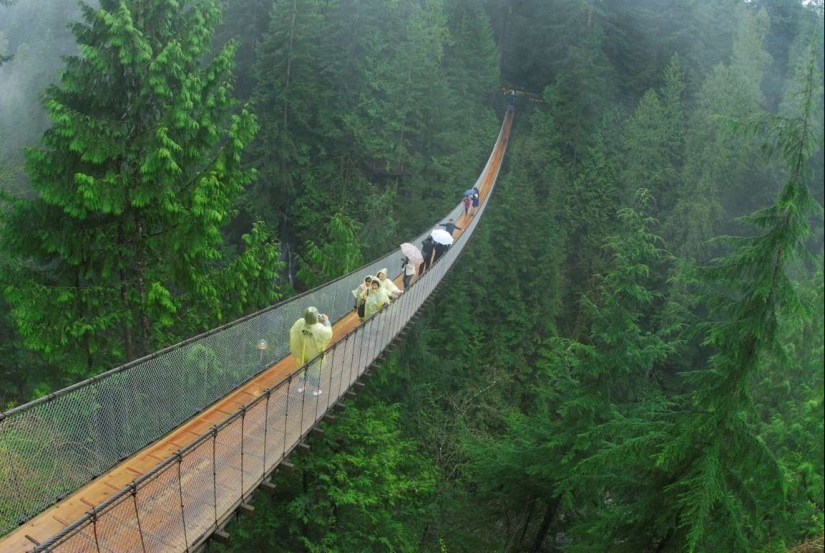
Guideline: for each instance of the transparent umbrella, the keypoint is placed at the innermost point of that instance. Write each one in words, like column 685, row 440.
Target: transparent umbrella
column 412, row 253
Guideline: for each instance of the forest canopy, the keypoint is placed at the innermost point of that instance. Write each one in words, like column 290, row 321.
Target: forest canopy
column 628, row 356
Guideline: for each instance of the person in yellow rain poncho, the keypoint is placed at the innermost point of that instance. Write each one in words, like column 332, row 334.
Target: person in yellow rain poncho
column 360, row 294
column 388, row 285
column 309, row 337
column 374, row 299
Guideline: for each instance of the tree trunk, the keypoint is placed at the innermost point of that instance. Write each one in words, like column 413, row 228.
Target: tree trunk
column 549, row 515
column 503, row 38
column 140, row 270
column 530, row 513
column 124, row 298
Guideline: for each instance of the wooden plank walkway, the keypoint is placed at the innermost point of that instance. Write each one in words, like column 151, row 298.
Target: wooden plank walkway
column 62, row 514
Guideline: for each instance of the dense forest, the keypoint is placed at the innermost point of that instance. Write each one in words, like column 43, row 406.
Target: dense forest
column 628, row 357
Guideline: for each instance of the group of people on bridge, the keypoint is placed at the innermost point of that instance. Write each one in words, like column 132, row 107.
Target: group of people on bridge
column 311, row 334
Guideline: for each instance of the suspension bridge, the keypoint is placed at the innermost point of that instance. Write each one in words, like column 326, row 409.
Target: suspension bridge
column 157, row 455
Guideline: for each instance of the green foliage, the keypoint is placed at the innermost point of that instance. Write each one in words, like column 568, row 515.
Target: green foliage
column 789, row 394
column 537, row 403
column 717, row 457
column 585, row 388
column 653, row 140
column 338, row 255
column 135, row 180
column 717, row 162
column 361, row 488
column 361, row 105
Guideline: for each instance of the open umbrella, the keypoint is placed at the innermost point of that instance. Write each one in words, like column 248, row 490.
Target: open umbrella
column 469, row 191
column 412, row 253
column 441, row 236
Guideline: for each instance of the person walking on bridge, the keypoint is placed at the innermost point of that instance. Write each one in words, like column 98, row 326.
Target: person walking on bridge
column 388, row 285
column 376, row 299
column 450, row 226
column 308, row 338
column 360, row 294
column 409, row 271
column 440, row 249
column 427, row 247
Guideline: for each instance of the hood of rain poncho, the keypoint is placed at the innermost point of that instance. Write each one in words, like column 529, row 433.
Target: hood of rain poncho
column 359, row 291
column 306, row 341
column 375, row 300
column 311, row 315
column 387, row 284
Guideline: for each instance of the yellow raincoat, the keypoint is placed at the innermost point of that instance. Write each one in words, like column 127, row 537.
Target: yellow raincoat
column 388, row 285
column 306, row 341
column 375, row 300
column 361, row 294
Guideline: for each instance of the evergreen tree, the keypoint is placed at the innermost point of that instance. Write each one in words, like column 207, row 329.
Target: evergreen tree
column 653, row 141
column 135, row 179
column 294, row 101
column 789, row 394
column 717, row 164
column 727, row 489
column 339, row 256
column 362, row 487
column 584, row 391
column 591, row 202
column 245, row 22
column 582, row 90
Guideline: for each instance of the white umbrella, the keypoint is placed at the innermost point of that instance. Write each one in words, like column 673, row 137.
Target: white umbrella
column 441, row 236
column 412, row 253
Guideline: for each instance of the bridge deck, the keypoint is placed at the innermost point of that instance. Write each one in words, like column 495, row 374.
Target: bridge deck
column 62, row 514
column 227, row 469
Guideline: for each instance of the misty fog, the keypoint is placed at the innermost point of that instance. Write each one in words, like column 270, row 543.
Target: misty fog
column 34, row 34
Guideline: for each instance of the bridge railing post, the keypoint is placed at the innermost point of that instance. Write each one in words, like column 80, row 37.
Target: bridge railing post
column 213, row 442
column 358, row 353
column 339, row 358
column 178, row 463
column 264, row 465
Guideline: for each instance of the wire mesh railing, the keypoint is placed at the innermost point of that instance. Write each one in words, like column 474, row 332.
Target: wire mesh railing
column 52, row 446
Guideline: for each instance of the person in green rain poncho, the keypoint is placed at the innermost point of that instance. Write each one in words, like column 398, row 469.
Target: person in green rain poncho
column 309, row 337
column 374, row 299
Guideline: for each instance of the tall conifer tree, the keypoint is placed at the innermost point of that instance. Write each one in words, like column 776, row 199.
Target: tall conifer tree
column 135, row 179
column 716, row 161
column 727, row 487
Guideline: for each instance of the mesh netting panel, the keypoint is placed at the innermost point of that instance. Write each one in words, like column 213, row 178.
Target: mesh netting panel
column 228, row 465
column 275, row 425
column 197, row 489
column 52, row 446
column 253, row 443
column 81, row 541
column 117, row 528
column 161, row 519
